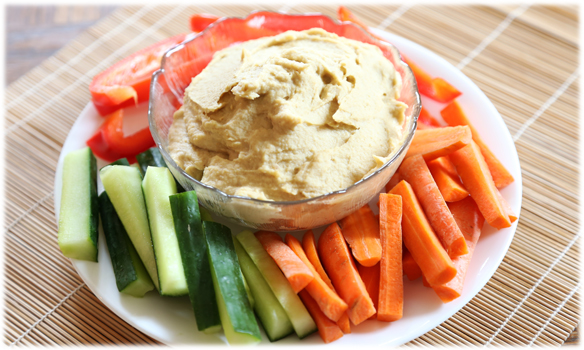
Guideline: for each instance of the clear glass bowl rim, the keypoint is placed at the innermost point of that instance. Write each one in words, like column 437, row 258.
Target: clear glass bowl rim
column 406, row 142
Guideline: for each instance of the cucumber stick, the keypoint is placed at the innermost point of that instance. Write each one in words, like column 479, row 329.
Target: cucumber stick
column 78, row 216
column 153, row 157
column 193, row 250
column 158, row 185
column 121, row 161
column 250, row 297
column 123, row 185
column 131, row 276
column 272, row 316
column 237, row 318
column 205, row 215
column 299, row 317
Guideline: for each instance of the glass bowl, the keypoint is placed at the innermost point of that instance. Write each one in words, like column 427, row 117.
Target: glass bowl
column 187, row 59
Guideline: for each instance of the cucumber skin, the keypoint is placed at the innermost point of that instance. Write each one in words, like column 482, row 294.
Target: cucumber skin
column 304, row 323
column 150, row 157
column 267, row 307
column 137, row 206
column 229, row 284
column 193, row 250
column 93, row 207
column 121, row 161
column 205, row 215
column 94, row 221
column 156, row 199
column 153, row 157
column 124, row 262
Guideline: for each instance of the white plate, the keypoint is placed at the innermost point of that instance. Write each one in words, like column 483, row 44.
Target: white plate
column 171, row 320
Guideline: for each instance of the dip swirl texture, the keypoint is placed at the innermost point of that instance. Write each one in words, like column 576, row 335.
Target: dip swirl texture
column 289, row 117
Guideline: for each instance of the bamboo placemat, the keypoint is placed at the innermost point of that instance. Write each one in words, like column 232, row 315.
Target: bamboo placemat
column 525, row 58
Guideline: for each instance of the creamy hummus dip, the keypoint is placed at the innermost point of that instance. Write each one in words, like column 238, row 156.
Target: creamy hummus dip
column 289, row 117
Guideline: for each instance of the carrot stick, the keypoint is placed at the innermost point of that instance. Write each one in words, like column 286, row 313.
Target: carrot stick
column 436, row 88
column 391, row 287
column 425, row 282
column 507, row 207
column 297, row 273
column 326, row 298
column 339, row 264
column 435, row 143
column 344, row 15
column 470, row 220
column 361, row 230
column 411, row 269
column 476, row 177
column 421, row 240
column 327, row 329
column 450, row 186
column 370, row 277
column 395, row 179
column 415, row 171
column 453, row 115
column 309, row 245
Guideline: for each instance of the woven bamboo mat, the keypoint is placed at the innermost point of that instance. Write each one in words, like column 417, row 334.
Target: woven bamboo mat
column 524, row 58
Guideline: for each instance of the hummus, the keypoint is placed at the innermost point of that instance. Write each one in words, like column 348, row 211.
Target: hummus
column 289, row 117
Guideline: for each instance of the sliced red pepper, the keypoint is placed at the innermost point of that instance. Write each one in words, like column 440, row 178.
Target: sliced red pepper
column 127, row 82
column 437, row 89
column 426, row 120
column 110, row 144
column 200, row 21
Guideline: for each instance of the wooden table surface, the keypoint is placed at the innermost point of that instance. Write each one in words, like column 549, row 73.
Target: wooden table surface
column 34, row 33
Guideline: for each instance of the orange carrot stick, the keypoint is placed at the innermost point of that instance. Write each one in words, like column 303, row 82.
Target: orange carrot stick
column 415, row 171
column 391, row 287
column 453, row 115
column 411, row 269
column 326, row 298
column 309, row 245
column 476, row 177
column 344, row 323
column 297, row 273
column 450, row 186
column 370, row 277
column 395, row 179
column 470, row 220
column 421, row 240
column 507, row 207
column 437, row 89
column 344, row 15
column 425, row 282
column 438, row 142
column 339, row 265
column 327, row 329
column 361, row 230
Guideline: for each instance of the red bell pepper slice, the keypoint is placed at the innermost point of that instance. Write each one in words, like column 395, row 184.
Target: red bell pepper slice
column 200, row 21
column 110, row 144
column 426, row 120
column 127, row 82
